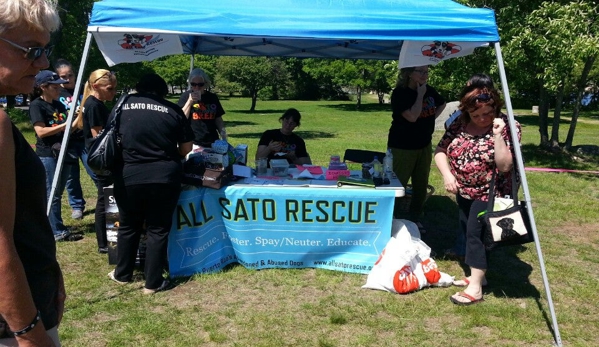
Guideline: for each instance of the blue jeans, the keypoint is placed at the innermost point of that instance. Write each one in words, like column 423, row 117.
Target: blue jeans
column 75, row 193
column 55, row 217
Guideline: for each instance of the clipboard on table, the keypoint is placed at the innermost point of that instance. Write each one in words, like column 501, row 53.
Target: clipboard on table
column 355, row 181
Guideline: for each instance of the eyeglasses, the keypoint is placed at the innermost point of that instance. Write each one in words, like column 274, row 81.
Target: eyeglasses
column 31, row 53
column 109, row 73
column 483, row 97
column 422, row 72
column 67, row 76
column 201, row 84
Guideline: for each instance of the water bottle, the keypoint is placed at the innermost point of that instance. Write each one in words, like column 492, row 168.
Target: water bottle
column 377, row 174
column 388, row 163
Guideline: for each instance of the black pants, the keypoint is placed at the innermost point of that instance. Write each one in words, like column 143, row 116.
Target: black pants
column 100, row 215
column 153, row 204
column 476, row 255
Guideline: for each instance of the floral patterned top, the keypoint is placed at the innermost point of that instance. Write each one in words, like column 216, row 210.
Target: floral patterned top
column 472, row 160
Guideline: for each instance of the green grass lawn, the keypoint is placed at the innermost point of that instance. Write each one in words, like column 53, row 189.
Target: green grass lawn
column 313, row 307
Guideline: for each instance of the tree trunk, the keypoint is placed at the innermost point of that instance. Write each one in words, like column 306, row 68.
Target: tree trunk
column 543, row 116
column 381, row 97
column 358, row 97
column 254, row 99
column 554, row 142
column 580, row 86
column 10, row 101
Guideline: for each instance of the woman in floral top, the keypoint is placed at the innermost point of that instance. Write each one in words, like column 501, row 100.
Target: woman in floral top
column 466, row 156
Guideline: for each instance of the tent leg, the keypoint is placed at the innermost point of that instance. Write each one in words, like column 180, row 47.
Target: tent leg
column 191, row 63
column 67, row 132
column 520, row 162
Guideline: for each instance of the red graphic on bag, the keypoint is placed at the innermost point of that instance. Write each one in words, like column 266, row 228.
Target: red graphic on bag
column 405, row 281
column 380, row 257
column 431, row 271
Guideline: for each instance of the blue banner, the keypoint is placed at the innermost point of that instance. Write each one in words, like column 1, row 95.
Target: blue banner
column 279, row 227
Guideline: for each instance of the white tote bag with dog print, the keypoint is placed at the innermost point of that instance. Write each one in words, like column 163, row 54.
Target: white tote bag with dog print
column 506, row 221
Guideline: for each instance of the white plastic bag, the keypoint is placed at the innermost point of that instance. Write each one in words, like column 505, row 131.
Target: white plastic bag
column 405, row 264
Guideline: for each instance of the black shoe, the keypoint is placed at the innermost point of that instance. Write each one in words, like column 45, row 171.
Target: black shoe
column 71, row 237
column 102, row 250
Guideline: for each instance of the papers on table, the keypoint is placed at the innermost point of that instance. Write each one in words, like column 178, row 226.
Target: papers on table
column 308, row 172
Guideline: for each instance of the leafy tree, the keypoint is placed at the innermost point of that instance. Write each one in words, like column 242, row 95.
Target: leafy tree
column 252, row 74
column 174, row 69
column 564, row 37
column 326, row 72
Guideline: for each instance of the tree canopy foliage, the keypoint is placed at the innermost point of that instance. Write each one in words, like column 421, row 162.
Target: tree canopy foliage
column 551, row 50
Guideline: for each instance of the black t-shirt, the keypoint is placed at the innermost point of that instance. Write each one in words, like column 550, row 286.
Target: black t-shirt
column 65, row 98
column 95, row 113
column 413, row 135
column 203, row 117
column 33, row 237
column 151, row 129
column 51, row 114
column 290, row 143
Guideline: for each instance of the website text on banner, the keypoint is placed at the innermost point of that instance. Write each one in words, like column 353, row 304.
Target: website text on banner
column 336, row 229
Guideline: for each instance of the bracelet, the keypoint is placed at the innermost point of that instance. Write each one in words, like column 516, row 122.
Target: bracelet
column 29, row 327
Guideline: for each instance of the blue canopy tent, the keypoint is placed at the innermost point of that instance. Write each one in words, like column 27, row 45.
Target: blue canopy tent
column 421, row 32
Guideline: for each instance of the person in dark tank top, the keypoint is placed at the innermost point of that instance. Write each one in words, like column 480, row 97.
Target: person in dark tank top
column 32, row 301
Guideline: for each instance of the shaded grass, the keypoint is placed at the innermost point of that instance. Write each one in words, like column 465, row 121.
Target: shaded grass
column 313, row 307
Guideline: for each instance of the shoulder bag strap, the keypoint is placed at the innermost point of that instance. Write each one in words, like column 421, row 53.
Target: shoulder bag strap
column 491, row 201
column 118, row 110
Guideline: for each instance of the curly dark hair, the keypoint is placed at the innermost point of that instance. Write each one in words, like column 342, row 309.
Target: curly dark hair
column 474, row 97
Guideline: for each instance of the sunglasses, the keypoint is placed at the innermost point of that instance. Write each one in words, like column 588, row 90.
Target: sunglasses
column 31, row 53
column 422, row 72
column 66, row 77
column 201, row 84
column 483, row 97
column 109, row 73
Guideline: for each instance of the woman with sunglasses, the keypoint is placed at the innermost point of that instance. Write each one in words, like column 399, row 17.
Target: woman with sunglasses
column 49, row 116
column 64, row 69
column 458, row 250
column 475, row 145
column 93, row 116
column 415, row 107
column 204, row 110
column 32, row 289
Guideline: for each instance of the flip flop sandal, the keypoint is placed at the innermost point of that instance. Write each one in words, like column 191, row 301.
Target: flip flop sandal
column 471, row 300
column 464, row 282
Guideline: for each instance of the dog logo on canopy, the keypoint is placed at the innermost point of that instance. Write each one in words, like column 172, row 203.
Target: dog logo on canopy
column 135, row 41
column 440, row 49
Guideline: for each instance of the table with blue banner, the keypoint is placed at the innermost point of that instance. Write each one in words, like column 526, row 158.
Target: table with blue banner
column 283, row 223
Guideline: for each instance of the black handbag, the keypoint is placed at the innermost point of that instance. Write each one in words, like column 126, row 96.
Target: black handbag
column 105, row 154
column 507, row 227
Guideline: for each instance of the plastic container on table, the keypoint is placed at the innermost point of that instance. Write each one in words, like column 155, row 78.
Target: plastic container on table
column 280, row 167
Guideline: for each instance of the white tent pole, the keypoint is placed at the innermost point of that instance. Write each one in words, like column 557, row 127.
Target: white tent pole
column 67, row 132
column 520, row 162
column 191, row 63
